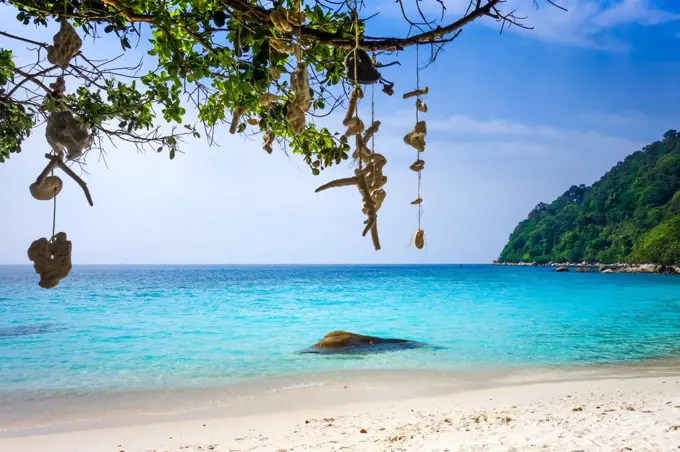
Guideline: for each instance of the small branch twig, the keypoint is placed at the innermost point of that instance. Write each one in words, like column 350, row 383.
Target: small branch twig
column 57, row 162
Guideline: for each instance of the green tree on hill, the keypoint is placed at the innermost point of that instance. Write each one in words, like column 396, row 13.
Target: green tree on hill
column 632, row 214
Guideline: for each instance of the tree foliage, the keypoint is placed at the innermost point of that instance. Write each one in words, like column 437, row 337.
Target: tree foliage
column 207, row 56
column 631, row 214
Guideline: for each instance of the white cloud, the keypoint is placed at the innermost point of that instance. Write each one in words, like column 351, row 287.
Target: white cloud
column 627, row 12
column 589, row 23
column 586, row 23
column 613, row 119
column 504, row 129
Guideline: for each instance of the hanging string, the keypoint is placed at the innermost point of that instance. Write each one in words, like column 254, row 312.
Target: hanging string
column 373, row 110
column 61, row 101
column 420, row 205
column 356, row 70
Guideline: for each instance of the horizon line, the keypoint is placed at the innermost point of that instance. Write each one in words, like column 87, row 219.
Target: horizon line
column 264, row 264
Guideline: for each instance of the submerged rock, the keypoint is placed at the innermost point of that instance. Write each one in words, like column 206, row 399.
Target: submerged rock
column 345, row 342
column 585, row 269
column 561, row 269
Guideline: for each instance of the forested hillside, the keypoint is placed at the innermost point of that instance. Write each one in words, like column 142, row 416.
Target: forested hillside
column 632, row 214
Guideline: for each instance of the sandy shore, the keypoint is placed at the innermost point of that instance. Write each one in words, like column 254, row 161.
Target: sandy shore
column 605, row 412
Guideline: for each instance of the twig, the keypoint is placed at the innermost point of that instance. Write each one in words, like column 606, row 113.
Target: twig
column 56, row 161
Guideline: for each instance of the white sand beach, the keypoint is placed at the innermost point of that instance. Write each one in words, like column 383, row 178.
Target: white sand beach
column 614, row 411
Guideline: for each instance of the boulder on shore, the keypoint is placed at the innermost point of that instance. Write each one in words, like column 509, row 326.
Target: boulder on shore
column 561, row 269
column 584, row 270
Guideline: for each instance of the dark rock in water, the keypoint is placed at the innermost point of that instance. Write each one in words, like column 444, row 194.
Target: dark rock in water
column 585, row 270
column 669, row 270
column 23, row 330
column 344, row 342
column 561, row 269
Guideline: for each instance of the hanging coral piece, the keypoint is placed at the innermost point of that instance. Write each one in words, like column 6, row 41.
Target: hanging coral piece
column 369, row 180
column 268, row 141
column 58, row 88
column 280, row 21
column 302, row 99
column 285, row 20
column 63, row 131
column 267, row 99
column 418, row 165
column 235, row 119
column 281, row 46
column 66, row 44
column 365, row 71
column 416, row 137
column 46, row 189
column 66, row 135
column 416, row 92
column 419, row 239
column 352, row 122
column 51, row 260
column 295, row 17
column 274, row 73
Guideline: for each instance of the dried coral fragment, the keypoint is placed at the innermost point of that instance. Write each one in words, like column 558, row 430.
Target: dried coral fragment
column 268, row 141
column 278, row 18
column 354, row 97
column 416, row 92
column 63, row 131
column 416, row 137
column 299, row 82
column 295, row 17
column 58, row 88
column 267, row 99
column 274, row 73
column 355, row 128
column 281, row 46
column 66, row 44
column 235, row 119
column 372, row 130
column 419, row 239
column 418, row 165
column 302, row 99
column 51, row 260
column 48, row 188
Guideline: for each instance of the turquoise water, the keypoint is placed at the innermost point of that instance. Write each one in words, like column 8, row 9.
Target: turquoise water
column 163, row 327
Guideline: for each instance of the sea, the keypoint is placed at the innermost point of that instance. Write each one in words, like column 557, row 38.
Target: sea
column 107, row 328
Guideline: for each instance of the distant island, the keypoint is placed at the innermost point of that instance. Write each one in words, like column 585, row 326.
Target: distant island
column 630, row 216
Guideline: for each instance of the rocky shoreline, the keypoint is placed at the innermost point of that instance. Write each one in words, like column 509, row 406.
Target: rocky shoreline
column 584, row 267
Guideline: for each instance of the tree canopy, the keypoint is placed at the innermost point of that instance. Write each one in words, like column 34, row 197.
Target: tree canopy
column 632, row 214
column 214, row 57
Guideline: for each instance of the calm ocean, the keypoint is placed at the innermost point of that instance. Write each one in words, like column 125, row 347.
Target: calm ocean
column 159, row 327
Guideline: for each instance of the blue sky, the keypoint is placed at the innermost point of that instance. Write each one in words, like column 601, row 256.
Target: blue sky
column 514, row 119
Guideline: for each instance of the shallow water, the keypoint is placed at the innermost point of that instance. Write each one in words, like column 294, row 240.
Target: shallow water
column 137, row 328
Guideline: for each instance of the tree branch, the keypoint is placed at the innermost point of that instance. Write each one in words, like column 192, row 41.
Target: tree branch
column 127, row 12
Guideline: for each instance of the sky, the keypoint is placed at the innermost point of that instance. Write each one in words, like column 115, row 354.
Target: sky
column 514, row 119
